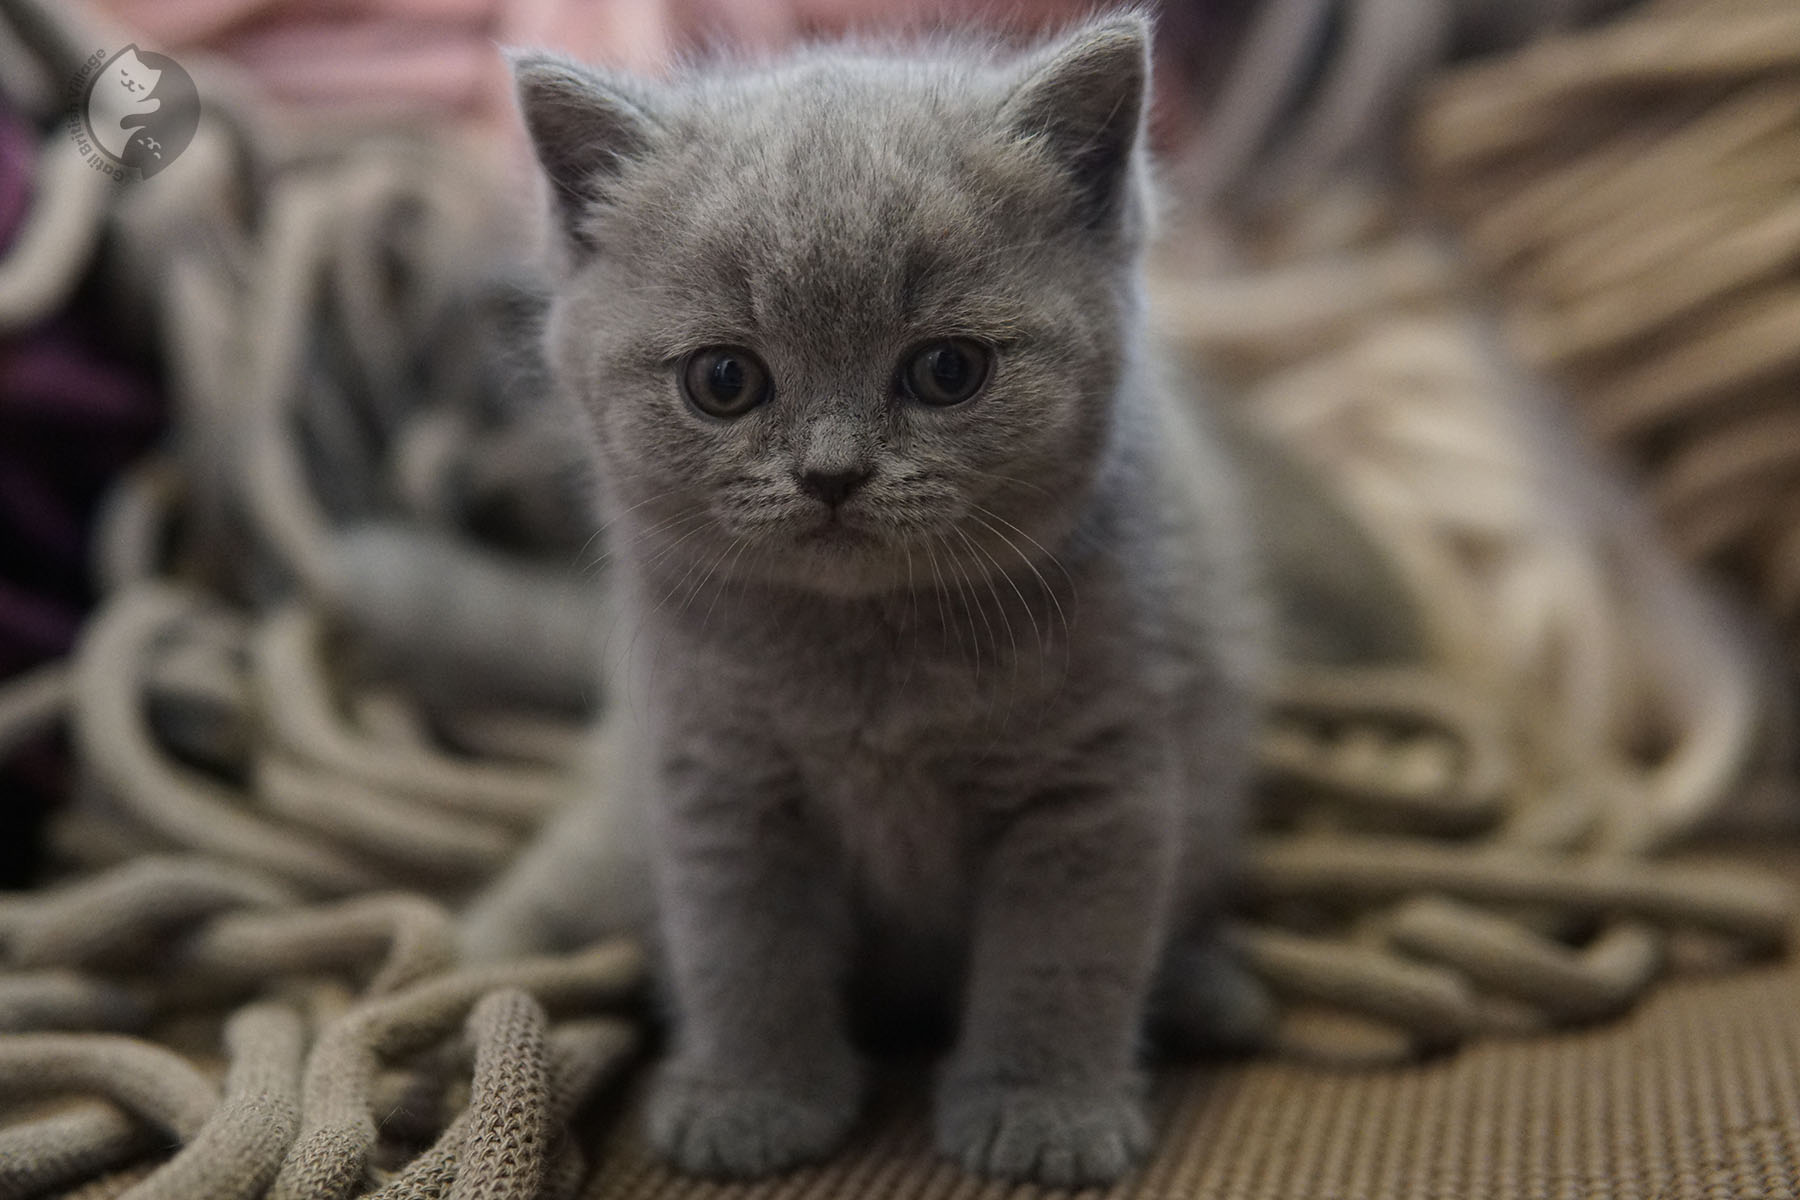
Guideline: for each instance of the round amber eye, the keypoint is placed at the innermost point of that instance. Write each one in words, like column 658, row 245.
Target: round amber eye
column 724, row 381
column 947, row 372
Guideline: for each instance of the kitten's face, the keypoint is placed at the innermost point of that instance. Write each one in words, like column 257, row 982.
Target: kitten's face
column 854, row 322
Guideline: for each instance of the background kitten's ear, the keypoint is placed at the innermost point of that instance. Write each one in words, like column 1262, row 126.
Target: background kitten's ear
column 583, row 126
column 1085, row 98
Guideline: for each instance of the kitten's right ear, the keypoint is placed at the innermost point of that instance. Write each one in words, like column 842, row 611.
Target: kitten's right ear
column 584, row 127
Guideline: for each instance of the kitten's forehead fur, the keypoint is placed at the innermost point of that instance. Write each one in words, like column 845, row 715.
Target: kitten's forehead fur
column 837, row 202
column 832, row 212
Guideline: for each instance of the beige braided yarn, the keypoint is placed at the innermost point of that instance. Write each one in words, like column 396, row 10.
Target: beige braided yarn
column 340, row 672
column 1634, row 191
column 1620, row 708
column 506, row 1143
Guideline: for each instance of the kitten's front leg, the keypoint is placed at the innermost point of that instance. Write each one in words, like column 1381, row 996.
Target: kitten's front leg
column 756, row 925
column 1043, row 1084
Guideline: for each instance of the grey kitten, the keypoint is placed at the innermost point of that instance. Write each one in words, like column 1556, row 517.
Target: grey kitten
column 942, row 636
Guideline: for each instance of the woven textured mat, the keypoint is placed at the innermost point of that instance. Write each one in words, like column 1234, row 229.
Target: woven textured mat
column 1695, row 1095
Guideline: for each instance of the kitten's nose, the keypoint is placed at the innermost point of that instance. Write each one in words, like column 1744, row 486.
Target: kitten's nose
column 833, row 487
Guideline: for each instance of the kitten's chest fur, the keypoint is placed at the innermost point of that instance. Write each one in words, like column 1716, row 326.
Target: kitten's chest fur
column 910, row 726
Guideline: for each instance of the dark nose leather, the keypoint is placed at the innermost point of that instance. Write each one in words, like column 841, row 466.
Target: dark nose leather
column 833, row 487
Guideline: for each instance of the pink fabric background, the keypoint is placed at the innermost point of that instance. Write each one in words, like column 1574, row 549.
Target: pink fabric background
column 440, row 57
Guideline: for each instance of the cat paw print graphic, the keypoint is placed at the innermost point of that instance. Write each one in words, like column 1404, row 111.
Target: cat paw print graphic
column 138, row 111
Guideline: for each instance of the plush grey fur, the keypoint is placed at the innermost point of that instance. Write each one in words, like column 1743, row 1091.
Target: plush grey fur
column 980, row 735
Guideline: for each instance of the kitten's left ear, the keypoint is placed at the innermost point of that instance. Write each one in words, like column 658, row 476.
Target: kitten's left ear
column 1084, row 99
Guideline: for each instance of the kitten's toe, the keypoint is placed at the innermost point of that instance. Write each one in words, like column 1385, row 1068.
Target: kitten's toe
column 1053, row 1136
column 739, row 1131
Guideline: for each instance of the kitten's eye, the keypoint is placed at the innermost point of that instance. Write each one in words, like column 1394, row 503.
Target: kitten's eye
column 724, row 381
column 947, row 372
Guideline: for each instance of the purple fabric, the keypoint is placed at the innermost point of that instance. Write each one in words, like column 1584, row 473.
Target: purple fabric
column 18, row 150
column 73, row 413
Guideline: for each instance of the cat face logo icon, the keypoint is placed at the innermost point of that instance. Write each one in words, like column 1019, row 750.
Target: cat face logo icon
column 139, row 110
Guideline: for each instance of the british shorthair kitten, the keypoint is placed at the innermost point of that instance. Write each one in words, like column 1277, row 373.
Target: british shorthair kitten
column 940, row 639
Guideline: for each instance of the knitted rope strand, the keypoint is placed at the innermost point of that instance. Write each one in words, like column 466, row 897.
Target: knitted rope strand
column 329, row 1158
column 1631, row 189
column 508, row 1133
column 182, row 804
column 68, row 1147
column 235, row 1154
column 32, row 702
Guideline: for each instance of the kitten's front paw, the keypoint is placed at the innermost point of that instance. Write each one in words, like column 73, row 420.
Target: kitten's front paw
column 1053, row 1136
column 708, row 1127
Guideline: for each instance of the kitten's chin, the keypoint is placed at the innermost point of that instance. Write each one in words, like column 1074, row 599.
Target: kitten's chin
column 837, row 561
